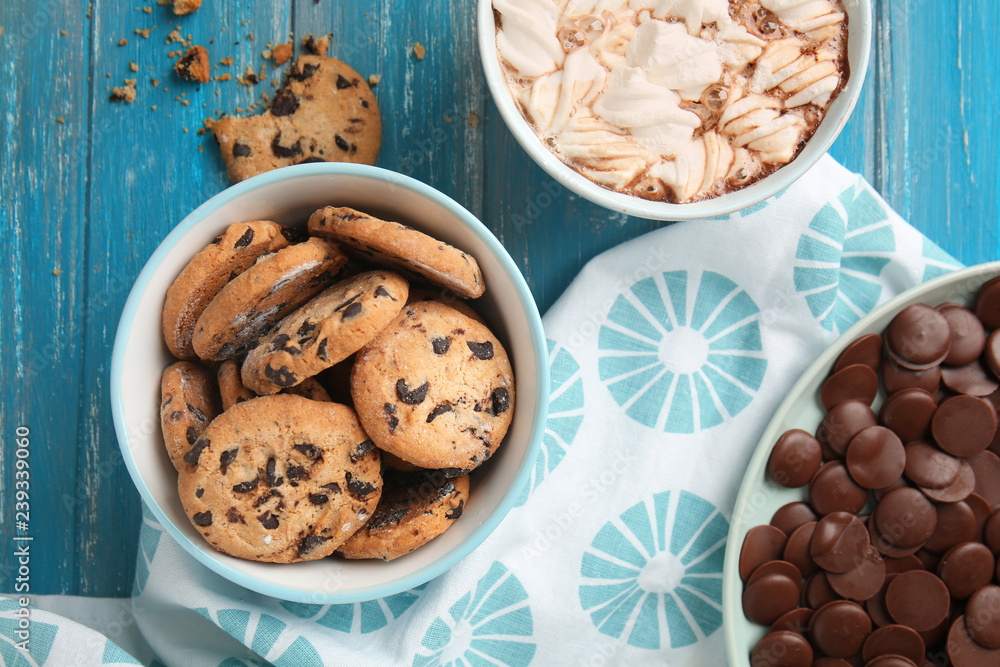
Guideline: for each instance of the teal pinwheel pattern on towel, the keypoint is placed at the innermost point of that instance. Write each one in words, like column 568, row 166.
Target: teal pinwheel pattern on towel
column 490, row 625
column 653, row 576
column 681, row 352
column 42, row 636
column 840, row 258
column 149, row 539
column 266, row 636
column 362, row 617
column 565, row 415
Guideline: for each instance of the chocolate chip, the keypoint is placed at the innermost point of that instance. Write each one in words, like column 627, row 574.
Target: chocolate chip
column 364, row 103
column 296, row 472
column 268, row 520
column 285, row 151
column 267, row 496
column 245, row 487
column 301, row 75
column 361, row 450
column 441, row 344
column 482, row 351
column 411, row 396
column 232, row 275
column 227, row 457
column 358, row 487
column 294, row 234
column 241, row 150
column 199, row 415
column 244, row 240
column 309, row 543
column 279, row 341
column 310, row 450
column 389, row 408
column 306, row 329
column 387, row 517
column 352, row 311
column 252, row 78
column 501, row 401
column 341, row 143
column 174, row 416
column 199, row 493
column 332, row 486
column 281, row 376
column 381, row 292
column 393, row 423
column 272, row 480
column 318, row 499
column 438, row 411
column 342, row 82
column 192, row 455
column 455, row 512
column 192, row 435
column 235, row 517
column 285, row 103
column 321, row 350
column 203, row 518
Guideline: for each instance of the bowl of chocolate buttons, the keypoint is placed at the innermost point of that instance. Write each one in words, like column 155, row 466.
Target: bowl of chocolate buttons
column 867, row 528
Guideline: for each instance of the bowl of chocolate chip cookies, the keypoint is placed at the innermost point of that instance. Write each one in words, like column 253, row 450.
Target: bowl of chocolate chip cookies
column 330, row 383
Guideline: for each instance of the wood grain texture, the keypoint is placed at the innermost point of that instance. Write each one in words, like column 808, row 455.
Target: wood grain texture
column 93, row 197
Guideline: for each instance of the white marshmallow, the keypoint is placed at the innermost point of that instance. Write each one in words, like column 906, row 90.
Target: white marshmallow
column 605, row 153
column 528, row 40
column 805, row 15
column 674, row 59
column 755, row 123
column 809, row 78
column 737, row 46
column 695, row 13
column 556, row 96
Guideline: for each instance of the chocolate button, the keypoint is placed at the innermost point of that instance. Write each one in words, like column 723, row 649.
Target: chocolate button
column 781, row 649
column 908, row 413
column 885, row 545
column 992, row 354
column 769, row 597
column 794, row 459
column 762, row 544
column 965, row 652
column 918, row 336
column 956, row 523
column 792, row 516
column 876, row 458
column 894, row 640
column 875, row 605
column 905, row 517
column 891, row 661
column 982, row 617
column 929, row 467
column 970, row 379
column 918, row 600
column 991, row 533
column 964, row 425
column 854, row 383
column 775, row 567
column 797, row 549
column 862, row 582
column 842, row 423
column 982, row 510
column 833, row 490
column 796, row 620
column 866, row 350
column 968, row 337
column 966, row 568
column 987, row 306
column 895, row 378
column 957, row 490
column 840, row 542
column 986, row 465
column 839, row 629
column 817, row 592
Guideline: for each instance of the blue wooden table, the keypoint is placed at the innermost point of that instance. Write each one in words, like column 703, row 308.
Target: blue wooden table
column 88, row 188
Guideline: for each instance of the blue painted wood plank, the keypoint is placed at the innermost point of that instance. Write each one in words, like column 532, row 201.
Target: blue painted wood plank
column 42, row 206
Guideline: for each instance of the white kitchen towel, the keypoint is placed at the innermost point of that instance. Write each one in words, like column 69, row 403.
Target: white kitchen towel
column 669, row 355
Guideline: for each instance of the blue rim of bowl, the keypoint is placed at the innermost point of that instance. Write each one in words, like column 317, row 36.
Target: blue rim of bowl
column 538, row 345
column 723, row 205
column 738, row 527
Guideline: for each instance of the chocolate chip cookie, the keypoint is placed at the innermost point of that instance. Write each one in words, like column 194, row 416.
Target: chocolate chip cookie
column 281, row 479
column 231, row 385
column 327, row 330
column 414, row 509
column 188, row 404
column 400, row 246
column 310, row 388
column 325, row 112
column 445, row 296
column 435, row 388
column 207, row 273
column 250, row 304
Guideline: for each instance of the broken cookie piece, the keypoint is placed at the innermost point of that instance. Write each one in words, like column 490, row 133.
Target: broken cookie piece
column 182, row 7
column 194, row 66
column 325, row 112
column 124, row 93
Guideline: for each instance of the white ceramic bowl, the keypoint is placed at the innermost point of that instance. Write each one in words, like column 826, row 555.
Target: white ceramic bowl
column 858, row 52
column 759, row 497
column 288, row 196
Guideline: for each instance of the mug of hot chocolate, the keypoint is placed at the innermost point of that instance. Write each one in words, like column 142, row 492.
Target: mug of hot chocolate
column 675, row 108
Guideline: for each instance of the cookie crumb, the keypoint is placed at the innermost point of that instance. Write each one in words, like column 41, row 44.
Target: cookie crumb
column 122, row 42
column 144, row 32
column 186, row 103
column 155, row 83
column 281, row 53
column 266, row 54
column 174, row 36
column 183, row 7
column 148, row 10
column 61, row 120
column 153, row 107
column 226, row 62
column 419, row 51
column 57, row 272
column 63, row 33
column 225, row 77
column 317, row 46
column 194, row 66
column 132, row 66
column 124, row 93
column 374, row 80
column 473, row 119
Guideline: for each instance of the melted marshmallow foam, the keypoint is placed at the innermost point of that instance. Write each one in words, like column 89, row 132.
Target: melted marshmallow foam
column 679, row 100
